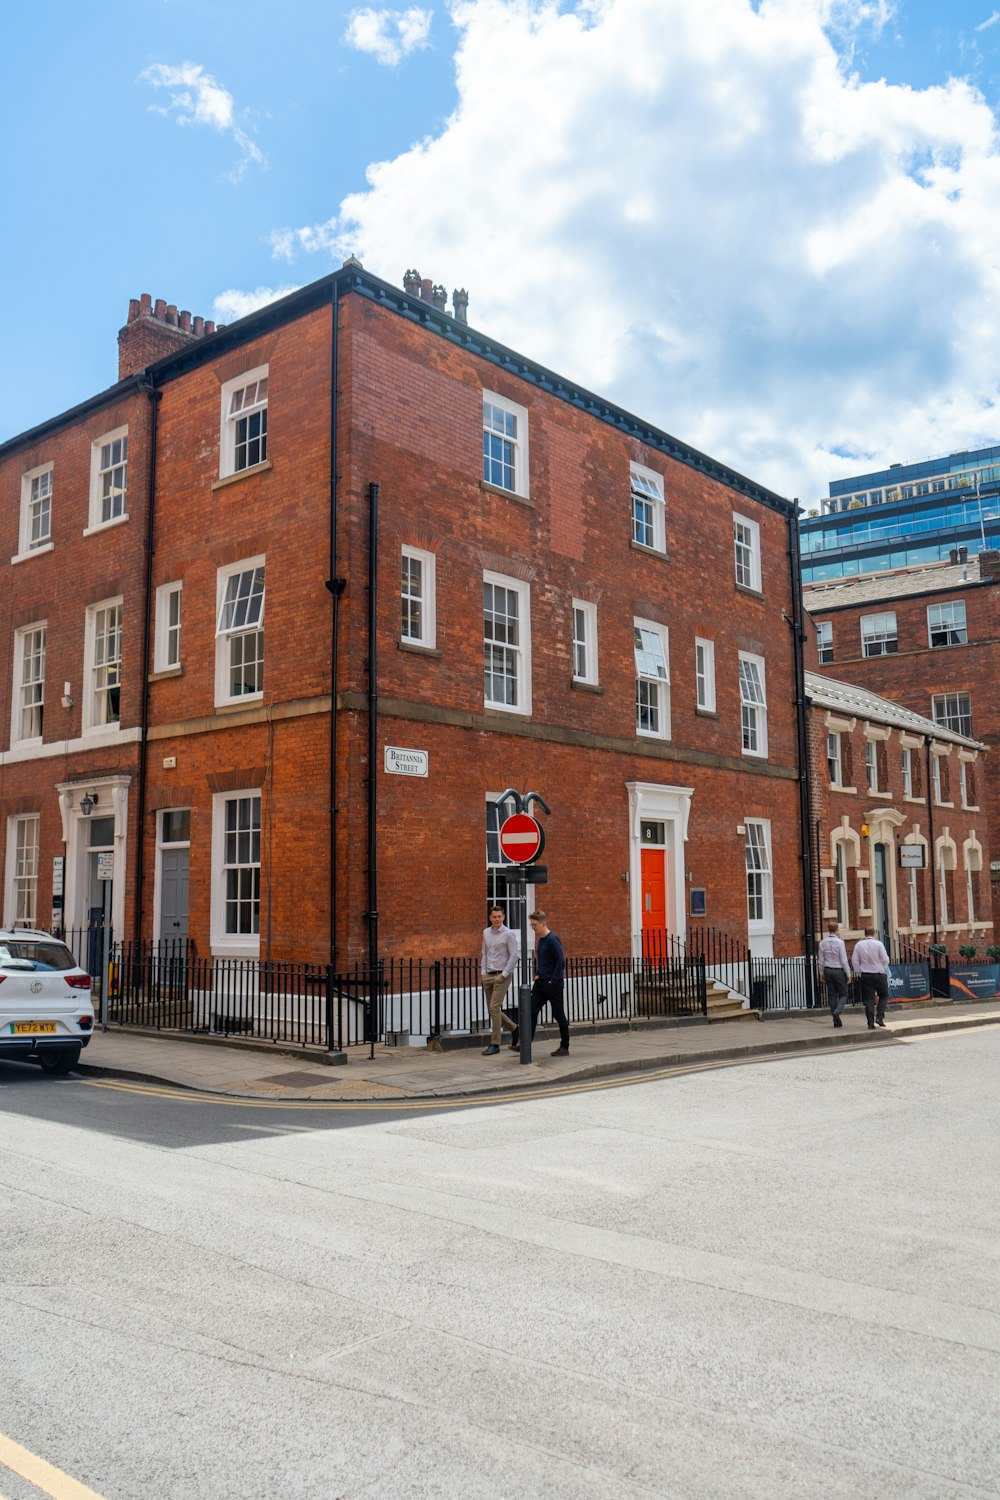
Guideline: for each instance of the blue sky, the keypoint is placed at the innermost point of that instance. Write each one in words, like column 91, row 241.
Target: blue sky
column 712, row 211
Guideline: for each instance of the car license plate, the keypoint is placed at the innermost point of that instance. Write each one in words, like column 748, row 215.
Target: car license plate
column 19, row 1028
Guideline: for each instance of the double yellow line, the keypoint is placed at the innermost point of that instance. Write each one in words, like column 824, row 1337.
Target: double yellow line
column 44, row 1476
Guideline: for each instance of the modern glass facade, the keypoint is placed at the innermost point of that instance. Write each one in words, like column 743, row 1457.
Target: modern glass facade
column 903, row 516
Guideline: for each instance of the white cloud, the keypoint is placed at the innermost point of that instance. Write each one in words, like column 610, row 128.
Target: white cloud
column 197, row 99
column 230, row 305
column 694, row 208
column 389, row 35
column 990, row 21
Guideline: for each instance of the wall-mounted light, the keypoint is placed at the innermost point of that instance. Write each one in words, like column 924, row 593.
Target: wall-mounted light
column 87, row 803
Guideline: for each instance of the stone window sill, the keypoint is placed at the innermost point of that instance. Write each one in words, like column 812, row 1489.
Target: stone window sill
column 228, row 479
column 707, row 713
column 649, row 551
column 585, row 687
column 412, row 649
column 21, row 557
column 741, row 588
column 105, row 525
column 165, row 672
column 495, row 489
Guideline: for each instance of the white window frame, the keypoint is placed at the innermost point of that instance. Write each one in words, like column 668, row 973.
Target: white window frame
column 940, row 704
column 746, row 553
column 229, row 421
column 520, row 650
column 871, row 766
column 760, row 843
column 936, row 778
column 232, row 944
column 877, row 632
column 226, row 635
column 704, row 674
column 661, row 704
column 834, row 757
column 93, row 722
column 584, row 618
column 427, row 598
column 949, row 620
column 20, row 878
column 906, row 767
column 753, row 711
column 25, row 546
column 646, row 491
column 19, row 706
column 840, row 884
column 96, row 520
column 518, row 442
column 824, row 641
column 167, row 631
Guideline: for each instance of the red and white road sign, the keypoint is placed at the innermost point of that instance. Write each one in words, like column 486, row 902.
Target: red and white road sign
column 521, row 838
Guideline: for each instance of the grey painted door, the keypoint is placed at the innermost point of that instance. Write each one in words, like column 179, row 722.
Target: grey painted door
column 174, row 893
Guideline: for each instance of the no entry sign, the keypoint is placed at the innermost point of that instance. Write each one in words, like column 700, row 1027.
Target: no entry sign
column 521, row 839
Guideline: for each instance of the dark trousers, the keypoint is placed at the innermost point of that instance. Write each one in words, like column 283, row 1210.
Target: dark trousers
column 549, row 992
column 872, row 986
column 836, row 989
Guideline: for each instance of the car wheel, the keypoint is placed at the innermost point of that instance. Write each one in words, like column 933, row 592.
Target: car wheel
column 59, row 1059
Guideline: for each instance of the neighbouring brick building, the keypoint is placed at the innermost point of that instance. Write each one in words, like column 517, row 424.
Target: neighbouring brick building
column 928, row 638
column 891, row 787
column 543, row 592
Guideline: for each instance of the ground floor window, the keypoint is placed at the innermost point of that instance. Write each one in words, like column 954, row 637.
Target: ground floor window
column 236, row 884
column 22, row 903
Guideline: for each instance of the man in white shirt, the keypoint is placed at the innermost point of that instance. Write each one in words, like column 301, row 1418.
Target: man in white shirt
column 871, row 964
column 498, row 963
column 835, row 971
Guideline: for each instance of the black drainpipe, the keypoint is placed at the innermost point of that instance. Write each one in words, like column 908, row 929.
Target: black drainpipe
column 336, row 587
column 930, row 838
column 372, row 912
column 802, row 735
column 154, row 399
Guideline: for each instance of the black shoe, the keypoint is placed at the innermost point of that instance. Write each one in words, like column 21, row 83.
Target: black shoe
column 871, row 1025
column 837, row 1021
column 882, row 1024
column 491, row 1050
column 561, row 1052
column 514, row 1045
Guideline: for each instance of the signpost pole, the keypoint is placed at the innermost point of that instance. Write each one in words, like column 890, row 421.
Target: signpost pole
column 524, row 990
column 106, row 954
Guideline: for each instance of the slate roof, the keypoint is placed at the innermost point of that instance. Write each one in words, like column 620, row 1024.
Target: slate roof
column 857, row 702
column 899, row 583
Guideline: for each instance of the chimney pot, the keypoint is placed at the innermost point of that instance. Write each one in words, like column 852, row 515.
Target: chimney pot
column 133, row 309
column 145, row 305
column 411, row 283
column 185, row 321
column 160, row 309
column 953, row 555
column 426, row 286
column 199, row 326
column 171, row 314
column 209, row 326
column 439, row 298
column 460, row 303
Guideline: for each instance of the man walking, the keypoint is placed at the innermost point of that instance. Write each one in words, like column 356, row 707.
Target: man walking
column 835, row 971
column 550, row 971
column 871, row 964
column 498, row 963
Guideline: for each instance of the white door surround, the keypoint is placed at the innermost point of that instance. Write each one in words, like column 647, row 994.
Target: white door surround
column 670, row 805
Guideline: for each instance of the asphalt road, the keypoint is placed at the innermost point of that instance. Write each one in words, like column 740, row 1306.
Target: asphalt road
column 778, row 1280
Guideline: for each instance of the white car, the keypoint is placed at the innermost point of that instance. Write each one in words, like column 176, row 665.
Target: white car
column 46, row 1015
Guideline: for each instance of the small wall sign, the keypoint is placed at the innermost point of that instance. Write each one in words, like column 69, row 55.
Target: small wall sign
column 400, row 762
column 697, row 901
column 912, row 857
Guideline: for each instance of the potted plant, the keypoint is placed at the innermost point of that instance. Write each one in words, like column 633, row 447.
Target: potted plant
column 993, row 953
column 968, row 951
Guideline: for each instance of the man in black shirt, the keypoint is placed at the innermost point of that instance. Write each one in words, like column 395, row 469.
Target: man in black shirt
column 550, row 971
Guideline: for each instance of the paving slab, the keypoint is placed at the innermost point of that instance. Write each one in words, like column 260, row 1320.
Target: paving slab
column 257, row 1070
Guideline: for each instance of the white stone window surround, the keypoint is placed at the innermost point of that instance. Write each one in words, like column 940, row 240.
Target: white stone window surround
column 36, row 512
column 704, row 674
column 101, row 666
column 874, row 735
column 167, row 626
column 670, row 805
column 836, row 724
column 246, row 623
column 940, row 752
column 967, row 758
column 972, row 861
column 230, row 420
column 112, row 800
column 504, row 654
column 228, row 945
column 746, row 545
column 510, row 447
column 20, row 902
column 753, row 705
column 945, row 863
column 117, row 482
column 418, row 588
column 585, row 665
column 652, row 668
column 649, row 522
column 915, row 744
column 28, row 691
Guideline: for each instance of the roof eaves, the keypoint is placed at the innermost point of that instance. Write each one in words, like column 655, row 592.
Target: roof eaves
column 77, row 413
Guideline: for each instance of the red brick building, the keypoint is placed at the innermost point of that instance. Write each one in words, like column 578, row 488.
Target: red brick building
column 929, row 638
column 543, row 592
column 903, row 841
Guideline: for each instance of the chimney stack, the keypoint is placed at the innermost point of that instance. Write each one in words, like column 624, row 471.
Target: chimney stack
column 153, row 330
column 989, row 564
column 460, row 304
column 439, row 298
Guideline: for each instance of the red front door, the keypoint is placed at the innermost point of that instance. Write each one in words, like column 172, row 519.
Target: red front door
column 654, row 901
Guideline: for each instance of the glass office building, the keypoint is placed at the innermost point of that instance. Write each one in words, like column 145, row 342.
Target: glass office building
column 903, row 516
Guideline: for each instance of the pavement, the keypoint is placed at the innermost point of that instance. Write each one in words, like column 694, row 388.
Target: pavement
column 260, row 1070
